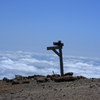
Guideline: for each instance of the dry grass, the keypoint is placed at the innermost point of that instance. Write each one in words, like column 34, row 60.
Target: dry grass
column 6, row 88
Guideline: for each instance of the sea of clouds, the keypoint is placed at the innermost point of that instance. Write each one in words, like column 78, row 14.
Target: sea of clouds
column 28, row 63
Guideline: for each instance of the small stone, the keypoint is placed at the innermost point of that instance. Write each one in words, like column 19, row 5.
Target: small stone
column 60, row 89
column 55, row 89
column 12, row 92
column 32, row 99
column 15, row 82
column 41, row 79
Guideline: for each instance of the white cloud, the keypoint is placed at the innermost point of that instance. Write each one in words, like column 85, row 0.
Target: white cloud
column 26, row 63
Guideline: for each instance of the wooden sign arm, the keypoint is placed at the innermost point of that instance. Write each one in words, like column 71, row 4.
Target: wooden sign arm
column 56, row 52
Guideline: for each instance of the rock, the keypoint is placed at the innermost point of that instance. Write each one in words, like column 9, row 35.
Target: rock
column 12, row 92
column 64, row 78
column 19, row 77
column 81, row 77
column 55, row 89
column 41, row 79
column 91, row 86
column 68, row 74
column 49, row 76
column 25, row 82
column 38, row 76
column 5, row 79
column 52, row 77
column 29, row 77
column 15, row 82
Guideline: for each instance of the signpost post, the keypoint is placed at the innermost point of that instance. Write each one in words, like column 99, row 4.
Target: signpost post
column 58, row 45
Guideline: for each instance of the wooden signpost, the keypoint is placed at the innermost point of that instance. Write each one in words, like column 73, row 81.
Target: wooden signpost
column 58, row 45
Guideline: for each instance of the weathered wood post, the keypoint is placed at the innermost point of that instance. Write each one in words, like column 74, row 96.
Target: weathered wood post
column 58, row 46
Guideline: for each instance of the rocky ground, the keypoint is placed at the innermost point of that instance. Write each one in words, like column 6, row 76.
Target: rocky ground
column 50, row 87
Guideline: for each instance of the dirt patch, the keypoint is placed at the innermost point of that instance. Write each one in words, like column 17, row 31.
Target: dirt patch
column 80, row 89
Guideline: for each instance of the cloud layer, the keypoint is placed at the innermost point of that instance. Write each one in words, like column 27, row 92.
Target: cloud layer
column 27, row 63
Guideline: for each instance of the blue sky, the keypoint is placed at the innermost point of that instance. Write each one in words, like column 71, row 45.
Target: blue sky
column 32, row 25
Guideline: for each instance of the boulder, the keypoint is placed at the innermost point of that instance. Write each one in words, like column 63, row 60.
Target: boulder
column 64, row 78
